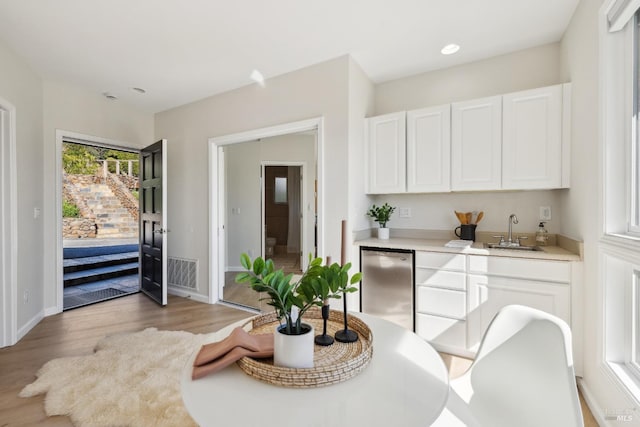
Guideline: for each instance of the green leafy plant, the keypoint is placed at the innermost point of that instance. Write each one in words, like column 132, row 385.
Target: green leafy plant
column 78, row 159
column 317, row 284
column 70, row 210
column 381, row 214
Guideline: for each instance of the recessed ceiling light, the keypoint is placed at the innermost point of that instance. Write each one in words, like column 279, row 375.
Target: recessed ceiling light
column 257, row 77
column 450, row 49
column 138, row 90
column 110, row 96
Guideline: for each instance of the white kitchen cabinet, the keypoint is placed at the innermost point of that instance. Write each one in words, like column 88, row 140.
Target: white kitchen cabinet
column 429, row 150
column 532, row 129
column 385, row 153
column 441, row 299
column 494, row 282
column 476, row 144
column 515, row 141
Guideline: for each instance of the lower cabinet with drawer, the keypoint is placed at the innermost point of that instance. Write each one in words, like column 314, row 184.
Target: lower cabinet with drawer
column 458, row 295
column 441, row 300
column 494, row 282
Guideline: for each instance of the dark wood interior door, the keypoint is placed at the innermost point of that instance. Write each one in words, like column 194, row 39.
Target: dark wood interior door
column 153, row 221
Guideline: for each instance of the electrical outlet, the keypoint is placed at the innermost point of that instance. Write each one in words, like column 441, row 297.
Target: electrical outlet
column 25, row 296
column 545, row 213
column 404, row 212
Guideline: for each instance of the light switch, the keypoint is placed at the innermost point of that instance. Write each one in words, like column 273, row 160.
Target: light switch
column 545, row 213
column 404, row 212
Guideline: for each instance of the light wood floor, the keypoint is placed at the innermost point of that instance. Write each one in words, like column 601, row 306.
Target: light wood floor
column 241, row 293
column 76, row 332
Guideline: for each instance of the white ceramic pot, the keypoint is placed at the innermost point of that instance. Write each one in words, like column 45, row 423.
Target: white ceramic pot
column 293, row 351
column 383, row 233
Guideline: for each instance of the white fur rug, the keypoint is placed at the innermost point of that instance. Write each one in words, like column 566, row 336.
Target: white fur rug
column 131, row 380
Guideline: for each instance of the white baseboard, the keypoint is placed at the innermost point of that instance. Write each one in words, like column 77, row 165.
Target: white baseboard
column 51, row 311
column 235, row 269
column 239, row 307
column 29, row 325
column 188, row 294
column 595, row 409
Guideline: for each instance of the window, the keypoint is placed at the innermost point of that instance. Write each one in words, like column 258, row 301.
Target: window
column 634, row 360
column 634, row 153
column 619, row 246
column 281, row 190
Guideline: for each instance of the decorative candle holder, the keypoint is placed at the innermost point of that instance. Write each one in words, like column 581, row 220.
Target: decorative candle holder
column 324, row 339
column 346, row 335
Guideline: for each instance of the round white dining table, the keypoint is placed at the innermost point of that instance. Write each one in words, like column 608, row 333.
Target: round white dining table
column 405, row 384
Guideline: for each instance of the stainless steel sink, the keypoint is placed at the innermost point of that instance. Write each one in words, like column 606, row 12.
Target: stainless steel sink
column 515, row 248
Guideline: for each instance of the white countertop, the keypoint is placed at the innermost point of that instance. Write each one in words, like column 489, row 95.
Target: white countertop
column 555, row 253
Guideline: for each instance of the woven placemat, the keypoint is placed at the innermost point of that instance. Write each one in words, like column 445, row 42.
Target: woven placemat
column 332, row 364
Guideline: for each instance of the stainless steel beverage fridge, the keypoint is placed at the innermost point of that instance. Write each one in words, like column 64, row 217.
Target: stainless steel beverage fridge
column 387, row 288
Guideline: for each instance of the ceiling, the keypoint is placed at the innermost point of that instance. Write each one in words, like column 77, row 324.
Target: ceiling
column 180, row 51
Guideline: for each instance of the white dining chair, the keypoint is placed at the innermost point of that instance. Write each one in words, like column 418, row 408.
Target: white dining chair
column 522, row 375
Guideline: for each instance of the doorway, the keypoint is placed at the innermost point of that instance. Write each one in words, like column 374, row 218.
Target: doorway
column 282, row 201
column 100, row 222
column 8, row 226
column 237, row 216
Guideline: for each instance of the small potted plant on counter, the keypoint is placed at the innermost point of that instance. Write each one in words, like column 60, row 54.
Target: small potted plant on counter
column 293, row 339
column 381, row 214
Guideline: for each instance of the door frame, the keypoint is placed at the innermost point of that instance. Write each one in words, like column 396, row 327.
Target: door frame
column 8, row 226
column 303, row 207
column 63, row 136
column 217, row 219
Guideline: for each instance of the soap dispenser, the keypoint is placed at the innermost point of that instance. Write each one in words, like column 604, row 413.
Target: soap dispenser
column 542, row 236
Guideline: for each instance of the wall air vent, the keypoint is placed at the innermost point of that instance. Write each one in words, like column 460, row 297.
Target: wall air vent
column 182, row 272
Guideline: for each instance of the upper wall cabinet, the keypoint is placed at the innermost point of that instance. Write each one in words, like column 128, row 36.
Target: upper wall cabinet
column 385, row 154
column 417, row 161
column 476, row 143
column 533, row 148
column 428, row 150
column 517, row 141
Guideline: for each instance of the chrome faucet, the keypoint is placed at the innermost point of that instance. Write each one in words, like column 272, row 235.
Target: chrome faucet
column 513, row 219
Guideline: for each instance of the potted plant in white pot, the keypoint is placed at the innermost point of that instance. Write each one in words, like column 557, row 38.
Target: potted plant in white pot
column 381, row 214
column 293, row 339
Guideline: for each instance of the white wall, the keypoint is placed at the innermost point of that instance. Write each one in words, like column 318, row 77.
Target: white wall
column 316, row 91
column 435, row 211
column 242, row 167
column 526, row 69
column 580, row 206
column 22, row 87
column 361, row 105
column 74, row 109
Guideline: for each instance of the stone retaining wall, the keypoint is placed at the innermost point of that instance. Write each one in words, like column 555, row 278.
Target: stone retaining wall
column 68, row 181
column 78, row 228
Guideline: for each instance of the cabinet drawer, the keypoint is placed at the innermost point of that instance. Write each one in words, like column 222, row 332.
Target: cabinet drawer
column 523, row 268
column 441, row 260
column 441, row 330
column 441, row 279
column 442, row 302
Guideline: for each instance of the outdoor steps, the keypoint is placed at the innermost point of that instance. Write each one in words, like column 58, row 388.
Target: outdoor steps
column 112, row 219
column 99, row 263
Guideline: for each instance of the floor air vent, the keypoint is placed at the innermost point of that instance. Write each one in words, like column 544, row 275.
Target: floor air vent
column 182, row 272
